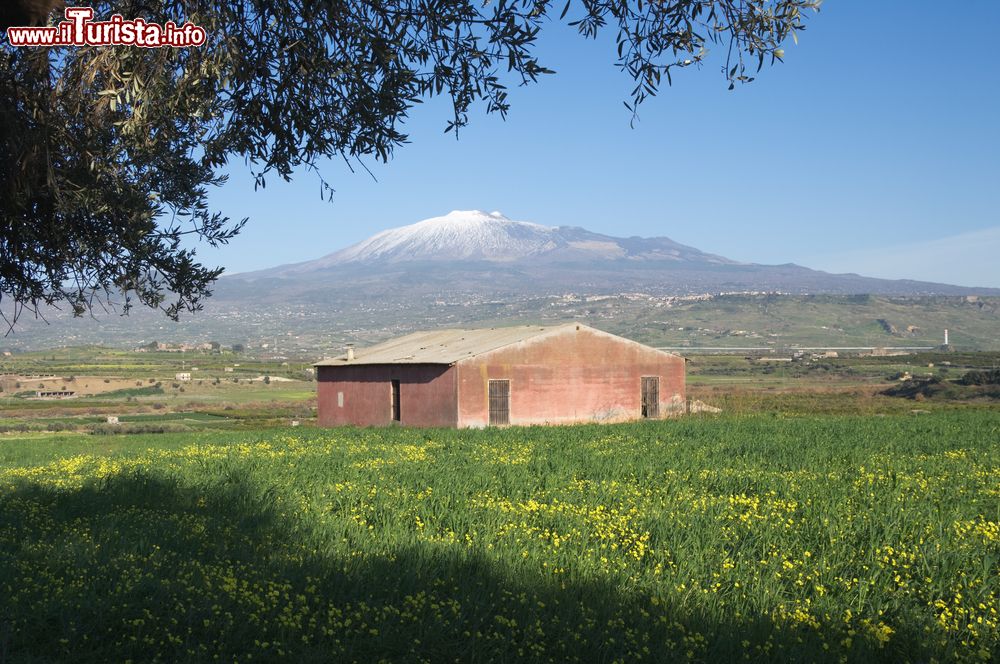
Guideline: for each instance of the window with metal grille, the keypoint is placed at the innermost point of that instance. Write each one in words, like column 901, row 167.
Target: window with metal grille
column 650, row 396
column 395, row 401
column 499, row 402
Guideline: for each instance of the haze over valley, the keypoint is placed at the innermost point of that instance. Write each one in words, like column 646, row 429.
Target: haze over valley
column 470, row 268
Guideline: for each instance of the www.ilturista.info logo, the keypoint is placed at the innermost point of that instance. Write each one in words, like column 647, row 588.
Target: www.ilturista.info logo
column 80, row 30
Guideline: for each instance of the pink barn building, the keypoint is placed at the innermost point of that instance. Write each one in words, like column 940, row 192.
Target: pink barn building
column 498, row 376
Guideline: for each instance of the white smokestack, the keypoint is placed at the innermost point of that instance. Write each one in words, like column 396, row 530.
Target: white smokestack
column 945, row 336
column 350, row 351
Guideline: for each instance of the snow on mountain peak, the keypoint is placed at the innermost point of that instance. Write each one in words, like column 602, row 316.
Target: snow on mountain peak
column 458, row 235
column 477, row 236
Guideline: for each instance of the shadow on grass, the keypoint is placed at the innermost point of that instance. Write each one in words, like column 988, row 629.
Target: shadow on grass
column 142, row 567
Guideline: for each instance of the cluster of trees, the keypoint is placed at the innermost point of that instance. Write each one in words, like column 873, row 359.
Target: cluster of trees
column 107, row 155
column 985, row 377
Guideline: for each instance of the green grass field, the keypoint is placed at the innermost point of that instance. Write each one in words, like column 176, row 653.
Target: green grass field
column 728, row 538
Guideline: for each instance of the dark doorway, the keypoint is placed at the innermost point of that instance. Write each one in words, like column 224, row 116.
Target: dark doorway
column 395, row 401
column 499, row 402
column 650, row 396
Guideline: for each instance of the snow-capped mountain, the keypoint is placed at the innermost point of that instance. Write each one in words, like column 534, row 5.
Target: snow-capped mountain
column 475, row 254
column 458, row 235
column 472, row 235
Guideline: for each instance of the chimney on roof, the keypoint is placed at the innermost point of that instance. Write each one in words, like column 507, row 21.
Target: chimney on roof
column 350, row 352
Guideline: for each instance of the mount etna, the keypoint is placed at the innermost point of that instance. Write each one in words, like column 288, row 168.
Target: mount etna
column 487, row 254
column 470, row 269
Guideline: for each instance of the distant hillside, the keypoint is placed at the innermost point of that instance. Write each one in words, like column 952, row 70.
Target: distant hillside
column 473, row 268
column 685, row 321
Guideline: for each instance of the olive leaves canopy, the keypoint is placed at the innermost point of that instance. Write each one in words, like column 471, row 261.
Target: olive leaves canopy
column 107, row 154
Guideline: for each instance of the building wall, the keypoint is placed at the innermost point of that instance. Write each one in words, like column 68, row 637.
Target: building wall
column 578, row 375
column 426, row 395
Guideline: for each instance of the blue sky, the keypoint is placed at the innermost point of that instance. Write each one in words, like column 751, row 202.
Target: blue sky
column 874, row 148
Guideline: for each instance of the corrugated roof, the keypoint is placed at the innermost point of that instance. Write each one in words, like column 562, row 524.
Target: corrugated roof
column 442, row 346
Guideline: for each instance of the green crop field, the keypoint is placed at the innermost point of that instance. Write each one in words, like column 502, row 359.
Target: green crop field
column 726, row 538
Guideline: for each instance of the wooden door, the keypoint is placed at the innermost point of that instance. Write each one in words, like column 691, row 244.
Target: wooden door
column 650, row 396
column 499, row 391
